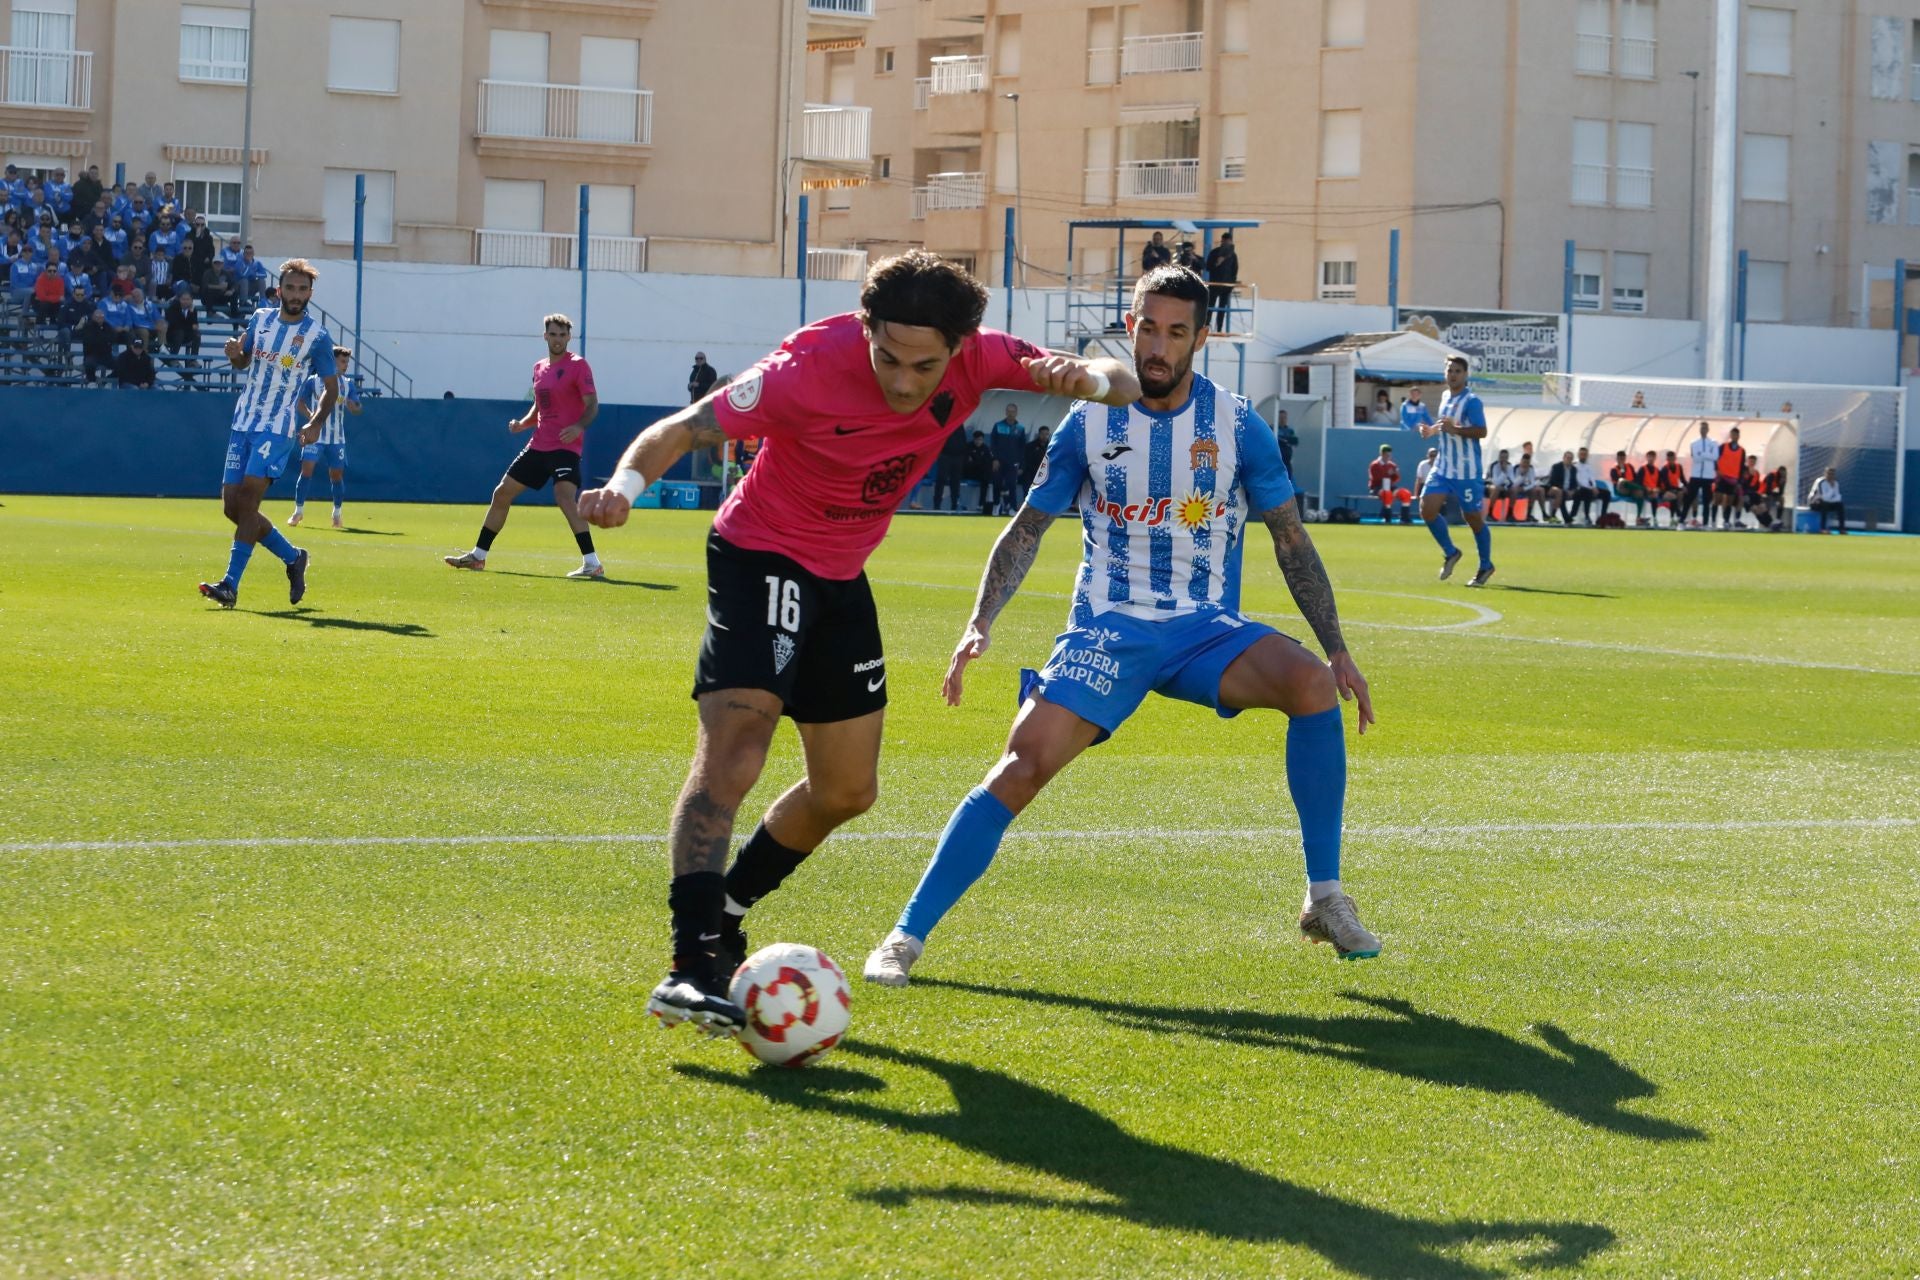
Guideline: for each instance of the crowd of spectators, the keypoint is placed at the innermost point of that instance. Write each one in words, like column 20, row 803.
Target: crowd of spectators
column 117, row 271
column 985, row 469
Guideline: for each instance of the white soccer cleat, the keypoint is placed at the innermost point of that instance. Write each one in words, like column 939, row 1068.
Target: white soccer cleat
column 338, row 523
column 466, row 560
column 295, row 518
column 589, row 571
column 1332, row 919
column 890, row 961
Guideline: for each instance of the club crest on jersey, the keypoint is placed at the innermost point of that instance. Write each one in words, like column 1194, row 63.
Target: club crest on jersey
column 782, row 652
column 744, row 392
column 299, row 341
column 887, row 478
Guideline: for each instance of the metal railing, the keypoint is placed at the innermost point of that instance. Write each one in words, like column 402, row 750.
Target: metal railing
column 1636, row 57
column 962, row 73
column 1103, row 66
column 919, row 204
column 1233, row 168
column 841, row 8
column 948, row 191
column 836, row 133
column 1633, row 188
column 837, row 264
column 372, row 368
column 1593, row 54
column 1142, row 55
column 557, row 249
column 922, row 87
column 1589, row 184
column 1152, row 179
column 46, row 78
column 565, row 112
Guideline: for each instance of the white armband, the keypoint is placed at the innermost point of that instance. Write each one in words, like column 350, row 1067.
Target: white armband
column 628, row 483
column 1101, row 384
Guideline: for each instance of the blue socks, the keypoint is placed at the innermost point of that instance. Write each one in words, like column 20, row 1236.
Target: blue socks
column 965, row 850
column 299, row 490
column 237, row 562
column 277, row 543
column 1317, row 778
column 1483, row 543
column 1438, row 528
column 339, row 492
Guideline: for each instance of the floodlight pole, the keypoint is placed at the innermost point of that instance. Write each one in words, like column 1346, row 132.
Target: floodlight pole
column 1721, row 200
column 1693, row 201
column 584, row 223
column 801, row 265
column 246, row 142
column 359, row 259
column 1020, row 215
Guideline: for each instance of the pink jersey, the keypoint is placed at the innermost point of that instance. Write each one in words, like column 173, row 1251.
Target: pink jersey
column 835, row 462
column 560, row 391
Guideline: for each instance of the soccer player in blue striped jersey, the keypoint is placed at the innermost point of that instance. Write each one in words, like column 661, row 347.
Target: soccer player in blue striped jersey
column 278, row 350
column 1458, row 471
column 332, row 444
column 1165, row 489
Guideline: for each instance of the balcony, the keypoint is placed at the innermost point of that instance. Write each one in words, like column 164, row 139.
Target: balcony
column 1593, row 54
column 1636, row 58
column 837, row 264
column 60, row 80
column 835, row 134
column 962, row 74
column 549, row 121
column 1589, row 184
column 557, row 250
column 1103, row 66
column 840, row 8
column 922, row 90
column 946, row 192
column 1633, row 188
column 593, row 8
column 1159, row 179
column 1144, row 55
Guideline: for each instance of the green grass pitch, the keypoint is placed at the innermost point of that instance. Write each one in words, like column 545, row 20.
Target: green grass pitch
column 325, row 934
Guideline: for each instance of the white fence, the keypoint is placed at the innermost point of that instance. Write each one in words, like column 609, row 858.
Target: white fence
column 837, row 264
column 1633, row 188
column 1636, row 58
column 836, row 133
column 565, row 112
column 1593, row 53
column 1151, row 179
column 948, row 191
column 1141, row 55
column 46, row 78
column 1103, row 66
column 841, row 8
column 1589, row 184
column 557, row 249
column 960, row 74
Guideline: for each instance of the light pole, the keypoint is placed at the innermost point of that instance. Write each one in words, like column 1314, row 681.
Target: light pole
column 1693, row 199
column 1019, row 215
column 246, row 143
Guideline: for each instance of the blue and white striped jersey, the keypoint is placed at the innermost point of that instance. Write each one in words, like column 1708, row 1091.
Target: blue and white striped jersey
column 283, row 356
column 1163, row 500
column 1460, row 456
column 334, row 429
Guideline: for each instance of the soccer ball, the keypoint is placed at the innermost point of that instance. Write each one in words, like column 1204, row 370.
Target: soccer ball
column 796, row 1001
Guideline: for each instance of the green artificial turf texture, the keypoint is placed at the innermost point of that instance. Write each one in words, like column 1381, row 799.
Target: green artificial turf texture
column 1642, row 852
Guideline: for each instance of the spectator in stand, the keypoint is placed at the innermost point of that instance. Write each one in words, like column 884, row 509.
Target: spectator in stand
column 124, row 282
column 118, row 201
column 167, row 197
column 1421, row 472
column 204, row 247
column 1413, row 414
column 1036, row 453
column 1008, row 441
column 1639, row 400
column 95, row 214
column 78, row 306
column 167, row 235
column 180, row 270
column 183, row 330
column 159, row 273
column 139, row 216
column 37, row 207
column 14, row 248
column 1824, row 498
column 231, row 256
column 145, row 317
column 149, row 189
column 1382, row 414
column 1383, row 482
column 117, row 236
column 1705, row 456
column 1773, row 490
column 699, row 381
column 252, row 278
column 1223, row 272
column 60, row 192
column 1596, row 488
column 1184, row 256
column 87, row 188
column 70, row 240
column 96, row 346
column 1155, row 254
column 1288, row 439
column 950, row 469
column 1501, row 483
column 1626, row 484
column 134, row 367
column 119, row 312
column 1563, row 488
column 979, row 468
column 50, row 290
column 1526, row 487
column 216, row 291
column 1727, row 470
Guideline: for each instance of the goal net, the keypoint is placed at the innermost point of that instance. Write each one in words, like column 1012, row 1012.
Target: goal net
column 1859, row 431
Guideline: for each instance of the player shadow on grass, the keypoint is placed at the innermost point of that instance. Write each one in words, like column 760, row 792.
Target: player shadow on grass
column 605, row 582
column 371, row 533
column 1550, row 591
column 312, row 618
column 1150, row 1183
column 1577, row 1080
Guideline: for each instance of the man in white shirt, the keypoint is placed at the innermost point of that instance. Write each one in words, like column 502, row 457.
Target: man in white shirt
column 1527, row 489
column 1500, row 494
column 1824, row 497
column 1705, row 455
column 1420, row 472
column 1592, row 488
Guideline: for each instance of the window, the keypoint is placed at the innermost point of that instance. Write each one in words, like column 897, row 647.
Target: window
column 213, row 44
column 1096, row 187
column 1006, row 48
column 211, row 189
column 1764, row 161
column 40, row 71
column 1589, row 161
column 337, row 206
column 1233, row 148
column 1630, row 283
column 363, row 55
column 1588, row 265
column 1593, row 38
column 1766, row 291
column 1340, row 144
column 883, row 62
column 1006, row 162
column 1637, row 43
column 1235, row 28
column 1339, row 271
column 1633, row 161
column 1884, row 161
column 1887, row 76
column 1346, row 24
column 510, row 204
column 882, row 168
column 609, row 210
column 1770, row 42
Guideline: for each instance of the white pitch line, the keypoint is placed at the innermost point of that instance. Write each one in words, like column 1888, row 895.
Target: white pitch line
column 1368, row 832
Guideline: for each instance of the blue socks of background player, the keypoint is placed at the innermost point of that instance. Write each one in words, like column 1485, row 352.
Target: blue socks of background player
column 339, row 492
column 276, row 542
column 965, row 850
column 1438, row 528
column 1317, row 778
column 299, row 490
column 1483, row 543
column 237, row 562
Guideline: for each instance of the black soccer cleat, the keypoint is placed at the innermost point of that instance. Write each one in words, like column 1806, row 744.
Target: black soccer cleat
column 699, row 998
column 220, row 593
column 297, row 579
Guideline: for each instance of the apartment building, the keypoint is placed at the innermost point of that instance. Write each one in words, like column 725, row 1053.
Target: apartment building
column 1488, row 131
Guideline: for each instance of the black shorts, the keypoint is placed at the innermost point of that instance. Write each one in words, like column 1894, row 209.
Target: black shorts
column 1729, row 487
column 534, row 467
column 811, row 641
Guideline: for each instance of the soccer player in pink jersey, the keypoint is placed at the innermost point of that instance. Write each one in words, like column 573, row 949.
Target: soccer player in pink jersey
column 852, row 412
column 565, row 404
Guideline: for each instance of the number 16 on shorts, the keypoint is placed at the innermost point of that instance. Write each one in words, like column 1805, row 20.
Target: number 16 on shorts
column 783, row 603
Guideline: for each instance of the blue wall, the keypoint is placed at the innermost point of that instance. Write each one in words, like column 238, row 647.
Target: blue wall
column 172, row 444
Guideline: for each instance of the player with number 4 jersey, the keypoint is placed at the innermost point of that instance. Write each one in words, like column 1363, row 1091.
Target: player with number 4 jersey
column 851, row 412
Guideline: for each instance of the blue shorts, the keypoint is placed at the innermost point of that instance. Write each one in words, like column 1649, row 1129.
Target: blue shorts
column 335, row 455
column 1470, row 492
column 1103, row 672
column 256, row 454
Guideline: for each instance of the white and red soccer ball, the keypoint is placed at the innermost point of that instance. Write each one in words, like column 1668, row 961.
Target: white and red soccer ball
column 797, row 1003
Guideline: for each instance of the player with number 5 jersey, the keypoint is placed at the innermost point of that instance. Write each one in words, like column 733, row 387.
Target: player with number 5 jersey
column 851, row 411
column 279, row 349
column 1459, row 473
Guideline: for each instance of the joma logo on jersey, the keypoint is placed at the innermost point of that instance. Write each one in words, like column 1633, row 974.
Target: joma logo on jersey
column 1150, row 513
column 887, row 478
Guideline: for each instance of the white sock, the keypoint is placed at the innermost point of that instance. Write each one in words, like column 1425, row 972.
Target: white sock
column 733, row 908
column 1318, row 889
column 299, row 508
column 593, row 562
column 478, row 554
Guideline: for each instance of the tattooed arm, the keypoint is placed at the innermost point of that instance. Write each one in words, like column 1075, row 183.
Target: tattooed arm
column 1313, row 596
column 651, row 453
column 1007, row 568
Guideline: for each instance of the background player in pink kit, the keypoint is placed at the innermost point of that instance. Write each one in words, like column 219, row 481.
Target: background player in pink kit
column 852, row 412
column 565, row 404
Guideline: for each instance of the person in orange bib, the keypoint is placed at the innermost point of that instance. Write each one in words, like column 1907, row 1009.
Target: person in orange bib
column 1383, row 481
column 1626, row 484
column 1726, row 481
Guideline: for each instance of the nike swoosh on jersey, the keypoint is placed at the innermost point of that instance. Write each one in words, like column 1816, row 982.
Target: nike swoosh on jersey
column 848, row 431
